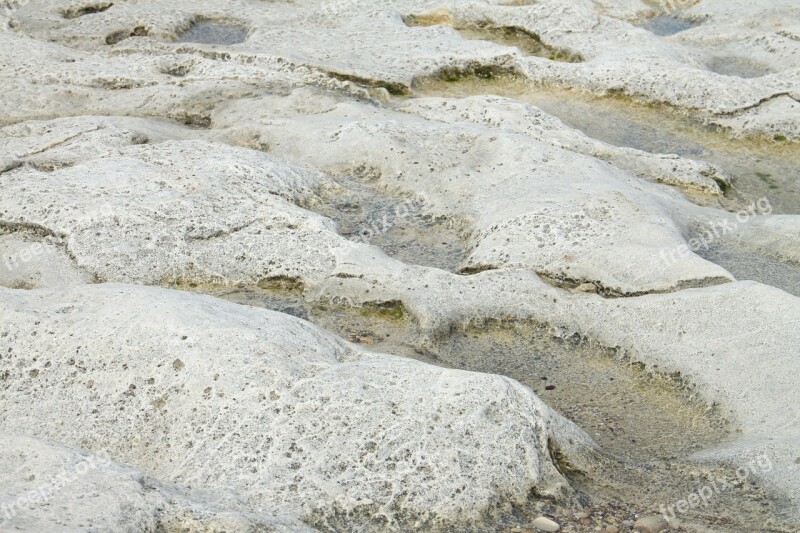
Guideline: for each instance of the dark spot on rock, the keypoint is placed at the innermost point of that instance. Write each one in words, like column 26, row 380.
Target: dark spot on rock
column 86, row 9
column 119, row 36
column 282, row 284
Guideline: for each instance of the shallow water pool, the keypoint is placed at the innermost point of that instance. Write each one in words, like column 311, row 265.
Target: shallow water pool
column 760, row 168
column 214, row 32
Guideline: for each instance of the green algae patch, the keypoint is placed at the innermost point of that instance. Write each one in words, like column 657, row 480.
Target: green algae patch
column 392, row 309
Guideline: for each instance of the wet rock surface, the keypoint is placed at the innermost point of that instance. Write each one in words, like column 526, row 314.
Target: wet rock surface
column 473, row 266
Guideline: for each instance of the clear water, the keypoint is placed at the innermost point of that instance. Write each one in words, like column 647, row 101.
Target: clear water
column 214, row 32
column 667, row 25
column 760, row 168
column 403, row 227
column 750, row 266
column 737, row 66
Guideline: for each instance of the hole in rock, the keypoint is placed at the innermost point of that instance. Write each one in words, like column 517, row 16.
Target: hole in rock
column 402, row 226
column 50, row 165
column 649, row 423
column 177, row 71
column 214, row 32
column 193, row 120
column 119, row 36
column 473, row 70
column 525, row 41
column 89, row 9
column 395, row 88
column 738, row 66
column 282, row 284
column 667, row 25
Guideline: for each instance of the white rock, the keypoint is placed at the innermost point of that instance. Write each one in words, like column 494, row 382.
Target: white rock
column 180, row 208
column 182, row 211
column 529, row 204
column 650, row 524
column 219, row 397
column 46, row 486
column 36, row 262
column 545, row 524
column 359, row 40
column 208, row 212
column 517, row 117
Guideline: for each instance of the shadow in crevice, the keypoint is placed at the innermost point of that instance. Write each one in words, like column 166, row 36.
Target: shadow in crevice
column 665, row 25
column 85, row 9
column 525, row 41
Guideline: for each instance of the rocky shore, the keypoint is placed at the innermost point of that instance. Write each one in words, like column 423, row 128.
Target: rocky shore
column 409, row 266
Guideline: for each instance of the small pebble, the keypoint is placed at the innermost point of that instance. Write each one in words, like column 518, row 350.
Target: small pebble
column 545, row 524
column 611, row 529
column 586, row 287
column 380, row 94
column 580, row 515
column 650, row 524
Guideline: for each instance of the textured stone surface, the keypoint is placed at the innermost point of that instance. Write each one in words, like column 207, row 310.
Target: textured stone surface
column 531, row 204
column 27, row 263
column 189, row 211
column 515, row 117
column 162, row 162
column 46, row 486
column 358, row 40
column 225, row 398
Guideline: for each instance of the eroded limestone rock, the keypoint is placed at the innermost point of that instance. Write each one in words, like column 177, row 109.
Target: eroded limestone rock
column 219, row 397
